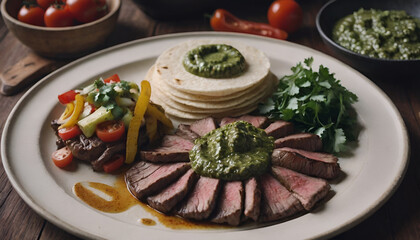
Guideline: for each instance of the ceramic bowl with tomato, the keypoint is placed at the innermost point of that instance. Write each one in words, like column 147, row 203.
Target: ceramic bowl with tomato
column 60, row 41
column 391, row 69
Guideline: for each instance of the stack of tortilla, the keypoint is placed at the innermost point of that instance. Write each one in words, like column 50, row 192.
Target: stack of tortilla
column 187, row 97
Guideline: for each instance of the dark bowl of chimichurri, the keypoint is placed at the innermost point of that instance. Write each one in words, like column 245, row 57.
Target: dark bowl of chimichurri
column 392, row 50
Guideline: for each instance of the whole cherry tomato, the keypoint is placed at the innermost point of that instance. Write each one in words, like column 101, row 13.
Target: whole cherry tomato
column 58, row 15
column 45, row 3
column 87, row 10
column 285, row 14
column 31, row 14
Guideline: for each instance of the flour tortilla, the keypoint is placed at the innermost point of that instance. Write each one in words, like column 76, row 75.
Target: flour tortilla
column 192, row 115
column 216, row 107
column 156, row 82
column 170, row 69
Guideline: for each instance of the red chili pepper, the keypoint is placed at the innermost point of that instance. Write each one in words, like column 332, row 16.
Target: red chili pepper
column 225, row 21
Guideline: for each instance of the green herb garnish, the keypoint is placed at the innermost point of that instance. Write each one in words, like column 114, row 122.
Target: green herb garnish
column 315, row 102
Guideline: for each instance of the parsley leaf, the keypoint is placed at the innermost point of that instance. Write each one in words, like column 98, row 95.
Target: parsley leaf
column 315, row 102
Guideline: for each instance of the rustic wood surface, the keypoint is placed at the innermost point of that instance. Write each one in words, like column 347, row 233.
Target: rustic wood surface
column 398, row 218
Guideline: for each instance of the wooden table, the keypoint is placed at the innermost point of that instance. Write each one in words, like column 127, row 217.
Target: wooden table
column 399, row 218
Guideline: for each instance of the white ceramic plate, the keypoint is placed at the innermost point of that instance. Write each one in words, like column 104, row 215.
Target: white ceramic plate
column 373, row 172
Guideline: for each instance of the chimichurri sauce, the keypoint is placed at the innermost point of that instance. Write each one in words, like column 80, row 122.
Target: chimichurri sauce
column 387, row 34
column 236, row 151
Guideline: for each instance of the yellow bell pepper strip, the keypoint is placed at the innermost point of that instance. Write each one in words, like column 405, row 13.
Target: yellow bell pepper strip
column 68, row 111
column 134, row 127
column 155, row 112
column 151, row 127
column 78, row 109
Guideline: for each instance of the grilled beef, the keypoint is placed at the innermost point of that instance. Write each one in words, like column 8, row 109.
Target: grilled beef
column 308, row 190
column 277, row 201
column 279, row 129
column 311, row 163
column 164, row 175
column 111, row 150
column 304, row 141
column 256, row 121
column 229, row 207
column 86, row 149
column 185, row 132
column 166, row 200
column 173, row 148
column 252, row 199
column 203, row 126
column 202, row 199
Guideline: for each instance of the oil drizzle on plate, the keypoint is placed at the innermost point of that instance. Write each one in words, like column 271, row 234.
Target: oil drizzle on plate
column 122, row 200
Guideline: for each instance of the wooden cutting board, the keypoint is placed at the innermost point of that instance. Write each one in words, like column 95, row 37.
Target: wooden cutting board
column 26, row 72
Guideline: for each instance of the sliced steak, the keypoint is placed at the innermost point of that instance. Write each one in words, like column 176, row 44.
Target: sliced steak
column 110, row 151
column 316, row 164
column 185, row 132
column 252, row 199
column 308, row 190
column 256, row 121
column 201, row 201
column 140, row 171
column 203, row 126
column 304, row 141
column 277, row 201
column 279, row 129
column 86, row 149
column 230, row 204
column 173, row 148
column 166, row 200
column 163, row 176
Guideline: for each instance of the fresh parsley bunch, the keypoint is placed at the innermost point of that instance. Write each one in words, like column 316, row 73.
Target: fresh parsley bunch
column 315, row 102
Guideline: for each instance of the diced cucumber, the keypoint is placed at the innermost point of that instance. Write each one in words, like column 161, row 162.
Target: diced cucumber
column 89, row 123
column 127, row 118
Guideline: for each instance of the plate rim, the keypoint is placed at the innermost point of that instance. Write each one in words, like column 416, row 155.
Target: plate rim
column 350, row 223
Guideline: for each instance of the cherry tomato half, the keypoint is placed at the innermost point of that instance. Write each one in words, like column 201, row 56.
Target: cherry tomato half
column 87, row 10
column 285, row 14
column 115, row 163
column 58, row 15
column 69, row 133
column 110, row 131
column 62, row 157
column 67, row 97
column 31, row 14
column 113, row 79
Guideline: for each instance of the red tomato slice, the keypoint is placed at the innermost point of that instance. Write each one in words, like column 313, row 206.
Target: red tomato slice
column 69, row 133
column 115, row 163
column 110, row 131
column 113, row 79
column 62, row 157
column 67, row 97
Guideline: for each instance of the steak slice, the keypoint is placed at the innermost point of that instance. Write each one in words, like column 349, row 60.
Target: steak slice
column 308, row 190
column 173, row 148
column 304, row 141
column 230, row 204
column 252, row 199
column 110, row 151
column 256, row 121
column 316, row 164
column 166, row 200
column 279, row 129
column 201, row 201
column 164, row 175
column 185, row 132
column 277, row 201
column 86, row 149
column 203, row 126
